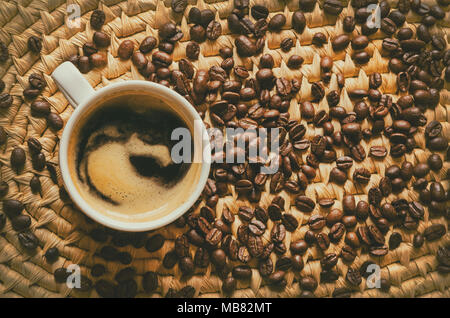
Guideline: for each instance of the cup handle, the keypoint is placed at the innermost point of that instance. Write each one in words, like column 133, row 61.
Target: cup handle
column 72, row 84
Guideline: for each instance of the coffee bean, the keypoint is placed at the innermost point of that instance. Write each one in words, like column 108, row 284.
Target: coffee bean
column 304, row 203
column 319, row 39
column 329, row 261
column 51, row 255
column 378, row 152
column 286, row 44
column 259, row 12
column 84, row 64
column 109, row 253
column 161, row 59
column 178, row 6
column 242, row 272
column 394, row 240
column 229, row 285
column 18, row 158
column 154, row 243
column 265, row 267
column 278, row 233
column 34, row 44
column 61, row 275
column 361, row 175
column 98, row 59
column 277, row 22
column 348, row 24
column 434, row 232
column 186, row 265
column 101, row 39
column 418, row 240
column 340, row 42
column 298, row 21
column 35, row 184
column 298, row 247
column 126, row 49
column 21, row 222
column 97, row 19
column 316, row 222
column 333, row 7
column 245, row 47
column 378, row 250
column 353, row 277
column 29, row 241
column 338, row 176
column 257, row 227
column 55, row 121
column 349, row 204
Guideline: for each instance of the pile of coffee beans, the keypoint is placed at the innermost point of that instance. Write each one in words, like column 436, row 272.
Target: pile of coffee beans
column 230, row 96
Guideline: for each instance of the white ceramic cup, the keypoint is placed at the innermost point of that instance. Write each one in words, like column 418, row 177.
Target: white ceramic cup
column 82, row 96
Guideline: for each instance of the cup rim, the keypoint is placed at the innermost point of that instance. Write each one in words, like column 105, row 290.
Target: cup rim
column 102, row 218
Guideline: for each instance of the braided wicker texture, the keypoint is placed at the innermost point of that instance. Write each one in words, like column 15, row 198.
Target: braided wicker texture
column 57, row 222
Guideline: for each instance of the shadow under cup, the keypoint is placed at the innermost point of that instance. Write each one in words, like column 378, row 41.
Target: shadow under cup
column 97, row 155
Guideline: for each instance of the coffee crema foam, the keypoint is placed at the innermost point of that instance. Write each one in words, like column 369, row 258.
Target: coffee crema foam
column 123, row 161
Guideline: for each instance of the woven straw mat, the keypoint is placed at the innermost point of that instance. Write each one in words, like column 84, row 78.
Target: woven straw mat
column 58, row 223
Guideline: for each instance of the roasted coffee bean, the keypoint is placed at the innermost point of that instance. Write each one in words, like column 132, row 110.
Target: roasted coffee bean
column 298, row 21
column 338, row 176
column 378, row 250
column 245, row 47
column 340, row 42
column 388, row 26
column 298, row 247
column 278, row 233
column 304, row 203
column 437, row 192
column 434, row 232
column 290, row 222
column 378, row 152
column 161, row 59
column 97, row 19
column 351, row 238
column 317, row 91
column 126, row 49
column 329, row 261
column 265, row 267
column 55, row 121
column 333, row 7
column 277, row 22
column 307, row 111
column 21, row 222
column 349, row 204
column 229, row 285
column 178, row 6
column 51, row 255
column 257, row 227
column 213, row 30
column 29, row 241
column 375, row 196
column 337, row 231
column 148, row 44
column 34, row 44
column 316, row 222
column 286, row 44
column 394, row 240
column 192, row 50
column 61, row 275
column 98, row 59
column 348, row 254
column 243, row 255
column 154, row 243
column 242, row 272
column 322, row 241
column 348, row 24
column 186, row 265
column 418, row 240
column 319, row 39
column 360, row 42
column 18, row 158
column 35, row 184
column 101, row 39
column 416, row 210
column 353, row 277
column 37, row 81
column 361, row 175
column 259, row 12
